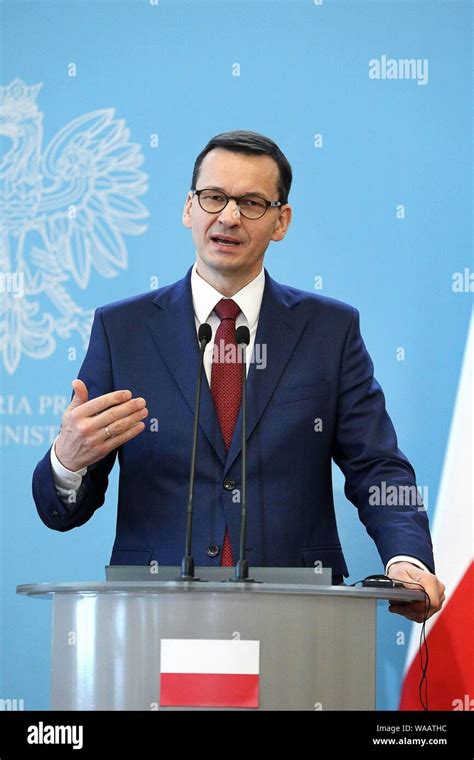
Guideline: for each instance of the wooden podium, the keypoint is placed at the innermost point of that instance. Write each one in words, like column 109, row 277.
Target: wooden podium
column 317, row 643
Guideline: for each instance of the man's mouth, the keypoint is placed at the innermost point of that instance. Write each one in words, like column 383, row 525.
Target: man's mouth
column 225, row 240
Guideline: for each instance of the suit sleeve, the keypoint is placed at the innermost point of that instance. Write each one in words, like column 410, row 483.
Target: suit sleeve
column 366, row 450
column 96, row 372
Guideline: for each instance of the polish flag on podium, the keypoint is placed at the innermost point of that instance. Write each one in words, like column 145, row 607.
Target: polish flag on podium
column 209, row 673
column 449, row 633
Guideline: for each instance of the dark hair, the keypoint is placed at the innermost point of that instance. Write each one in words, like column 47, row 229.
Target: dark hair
column 250, row 143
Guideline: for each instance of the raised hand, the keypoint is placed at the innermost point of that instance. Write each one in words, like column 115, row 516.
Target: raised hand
column 92, row 429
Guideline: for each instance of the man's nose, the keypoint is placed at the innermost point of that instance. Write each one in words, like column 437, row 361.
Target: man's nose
column 230, row 214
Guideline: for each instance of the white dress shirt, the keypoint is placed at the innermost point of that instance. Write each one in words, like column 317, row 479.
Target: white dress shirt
column 248, row 299
column 205, row 298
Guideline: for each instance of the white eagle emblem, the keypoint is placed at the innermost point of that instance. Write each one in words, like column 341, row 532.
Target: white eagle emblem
column 64, row 210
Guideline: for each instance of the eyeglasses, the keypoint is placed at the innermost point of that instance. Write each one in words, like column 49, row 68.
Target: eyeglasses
column 250, row 206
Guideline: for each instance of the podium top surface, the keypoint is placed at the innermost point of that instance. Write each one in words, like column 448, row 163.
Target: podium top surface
column 93, row 588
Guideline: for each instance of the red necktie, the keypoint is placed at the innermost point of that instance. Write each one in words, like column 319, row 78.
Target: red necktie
column 226, row 386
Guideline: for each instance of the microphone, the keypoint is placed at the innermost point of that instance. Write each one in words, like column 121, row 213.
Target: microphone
column 242, row 337
column 187, row 564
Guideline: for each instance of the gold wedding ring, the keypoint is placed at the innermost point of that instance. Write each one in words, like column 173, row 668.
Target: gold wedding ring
column 108, row 433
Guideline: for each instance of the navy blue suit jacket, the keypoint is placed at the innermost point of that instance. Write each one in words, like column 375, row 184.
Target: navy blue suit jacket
column 317, row 369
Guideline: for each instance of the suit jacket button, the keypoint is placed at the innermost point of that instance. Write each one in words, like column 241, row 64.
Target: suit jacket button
column 213, row 550
column 229, row 484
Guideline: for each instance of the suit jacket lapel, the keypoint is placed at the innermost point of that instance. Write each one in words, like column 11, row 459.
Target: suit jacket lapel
column 174, row 331
column 279, row 328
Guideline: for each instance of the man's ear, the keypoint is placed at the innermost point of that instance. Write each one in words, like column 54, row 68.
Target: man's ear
column 284, row 219
column 187, row 210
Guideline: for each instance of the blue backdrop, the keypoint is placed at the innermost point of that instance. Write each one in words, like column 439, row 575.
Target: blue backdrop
column 381, row 155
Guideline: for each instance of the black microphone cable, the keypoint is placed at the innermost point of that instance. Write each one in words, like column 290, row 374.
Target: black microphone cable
column 423, row 644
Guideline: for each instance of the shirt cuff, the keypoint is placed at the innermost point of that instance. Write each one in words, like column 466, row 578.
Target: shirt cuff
column 404, row 558
column 63, row 477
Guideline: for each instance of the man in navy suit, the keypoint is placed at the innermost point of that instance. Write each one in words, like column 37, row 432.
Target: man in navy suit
column 311, row 398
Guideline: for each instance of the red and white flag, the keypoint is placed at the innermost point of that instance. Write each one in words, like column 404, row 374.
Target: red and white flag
column 209, row 673
column 450, row 633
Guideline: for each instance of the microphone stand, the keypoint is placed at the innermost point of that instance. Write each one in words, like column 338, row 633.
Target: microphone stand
column 242, row 337
column 187, row 564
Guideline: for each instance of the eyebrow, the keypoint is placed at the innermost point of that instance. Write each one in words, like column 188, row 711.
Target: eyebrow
column 260, row 193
